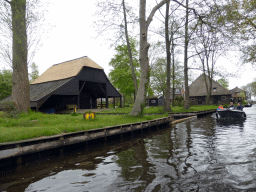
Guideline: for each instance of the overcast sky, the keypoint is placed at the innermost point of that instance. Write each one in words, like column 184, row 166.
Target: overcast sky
column 73, row 36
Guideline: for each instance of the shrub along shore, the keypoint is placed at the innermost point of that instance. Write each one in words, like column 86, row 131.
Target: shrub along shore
column 36, row 124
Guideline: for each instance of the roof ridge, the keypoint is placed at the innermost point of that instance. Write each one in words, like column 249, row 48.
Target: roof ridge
column 70, row 60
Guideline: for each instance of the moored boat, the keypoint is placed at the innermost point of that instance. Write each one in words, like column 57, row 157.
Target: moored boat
column 248, row 105
column 230, row 114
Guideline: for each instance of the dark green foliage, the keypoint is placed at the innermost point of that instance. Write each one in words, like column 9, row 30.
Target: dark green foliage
column 74, row 114
column 223, row 82
column 179, row 101
column 121, row 76
column 225, row 105
column 5, row 83
column 34, row 73
column 10, row 109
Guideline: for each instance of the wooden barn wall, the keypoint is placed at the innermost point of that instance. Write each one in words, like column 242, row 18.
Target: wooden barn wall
column 213, row 100
column 98, row 75
column 152, row 102
column 87, row 102
column 59, row 102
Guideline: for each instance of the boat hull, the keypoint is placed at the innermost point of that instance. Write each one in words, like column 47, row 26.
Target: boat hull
column 230, row 114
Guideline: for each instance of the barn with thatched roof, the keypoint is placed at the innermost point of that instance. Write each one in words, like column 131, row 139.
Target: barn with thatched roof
column 198, row 92
column 79, row 82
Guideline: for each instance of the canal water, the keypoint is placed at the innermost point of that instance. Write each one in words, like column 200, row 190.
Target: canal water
column 200, row 154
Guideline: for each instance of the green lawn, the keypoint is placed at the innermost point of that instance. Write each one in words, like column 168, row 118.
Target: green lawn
column 161, row 109
column 38, row 124
column 34, row 124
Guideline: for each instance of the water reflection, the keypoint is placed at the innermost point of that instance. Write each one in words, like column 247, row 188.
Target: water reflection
column 197, row 155
column 231, row 122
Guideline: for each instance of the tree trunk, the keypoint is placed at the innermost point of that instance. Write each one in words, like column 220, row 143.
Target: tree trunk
column 124, row 100
column 129, row 51
column 206, row 78
column 186, row 104
column 173, row 72
column 139, row 104
column 168, row 58
column 20, row 85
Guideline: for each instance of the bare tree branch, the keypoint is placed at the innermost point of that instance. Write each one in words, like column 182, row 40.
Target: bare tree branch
column 8, row 1
column 150, row 17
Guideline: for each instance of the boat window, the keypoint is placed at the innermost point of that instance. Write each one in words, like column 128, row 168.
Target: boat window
column 223, row 97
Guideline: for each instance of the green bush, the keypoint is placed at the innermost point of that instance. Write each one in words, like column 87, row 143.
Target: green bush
column 74, row 114
column 225, row 105
column 10, row 109
column 179, row 101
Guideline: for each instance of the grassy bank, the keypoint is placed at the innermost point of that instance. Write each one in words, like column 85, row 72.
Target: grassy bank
column 161, row 109
column 34, row 125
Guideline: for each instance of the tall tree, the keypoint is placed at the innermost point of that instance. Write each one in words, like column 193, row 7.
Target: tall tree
column 168, row 59
column 224, row 82
column 113, row 17
column 129, row 50
column 35, row 29
column 20, row 82
column 158, row 77
column 34, row 72
column 239, row 18
column 186, row 103
column 143, row 55
column 121, row 75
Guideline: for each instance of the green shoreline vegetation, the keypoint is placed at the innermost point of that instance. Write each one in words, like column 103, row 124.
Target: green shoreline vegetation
column 159, row 109
column 36, row 124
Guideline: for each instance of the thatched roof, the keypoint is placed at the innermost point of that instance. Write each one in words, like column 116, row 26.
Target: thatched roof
column 198, row 88
column 66, row 70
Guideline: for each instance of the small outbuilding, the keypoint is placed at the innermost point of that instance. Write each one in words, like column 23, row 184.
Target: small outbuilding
column 198, row 92
column 79, row 82
column 237, row 94
column 152, row 101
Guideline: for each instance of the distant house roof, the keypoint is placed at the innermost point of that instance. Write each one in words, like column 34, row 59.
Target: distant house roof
column 236, row 91
column 198, row 88
column 66, row 70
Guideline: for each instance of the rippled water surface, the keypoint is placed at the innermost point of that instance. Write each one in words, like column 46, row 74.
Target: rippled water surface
column 197, row 155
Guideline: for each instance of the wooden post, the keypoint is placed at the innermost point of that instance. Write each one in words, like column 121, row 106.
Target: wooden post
column 106, row 102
